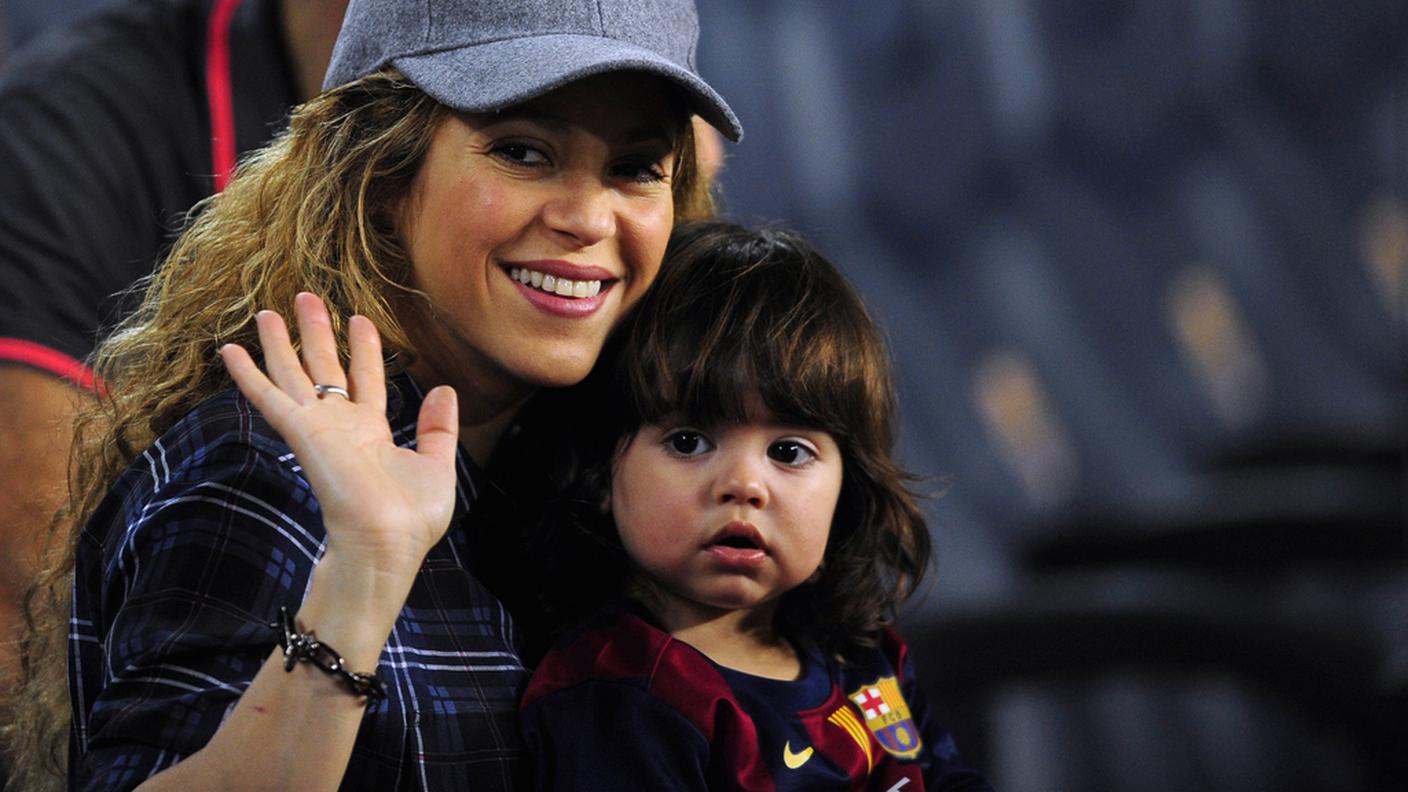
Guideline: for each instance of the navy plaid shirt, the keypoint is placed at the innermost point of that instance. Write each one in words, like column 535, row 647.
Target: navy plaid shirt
column 185, row 564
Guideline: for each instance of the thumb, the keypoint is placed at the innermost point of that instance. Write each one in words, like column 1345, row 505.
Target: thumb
column 438, row 428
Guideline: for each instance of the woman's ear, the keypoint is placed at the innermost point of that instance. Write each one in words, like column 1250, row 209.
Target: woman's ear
column 605, row 505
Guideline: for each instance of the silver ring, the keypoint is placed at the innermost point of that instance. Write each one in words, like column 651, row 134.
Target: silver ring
column 324, row 390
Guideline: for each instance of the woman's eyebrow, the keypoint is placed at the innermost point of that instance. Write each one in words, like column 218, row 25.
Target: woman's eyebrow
column 650, row 132
column 553, row 122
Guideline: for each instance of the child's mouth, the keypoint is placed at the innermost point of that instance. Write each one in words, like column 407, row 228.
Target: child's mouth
column 738, row 545
column 737, row 557
column 739, row 542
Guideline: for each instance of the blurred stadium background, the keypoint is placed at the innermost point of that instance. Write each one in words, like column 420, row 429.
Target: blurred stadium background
column 1144, row 269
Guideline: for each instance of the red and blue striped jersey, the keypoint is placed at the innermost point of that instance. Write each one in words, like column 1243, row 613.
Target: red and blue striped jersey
column 621, row 704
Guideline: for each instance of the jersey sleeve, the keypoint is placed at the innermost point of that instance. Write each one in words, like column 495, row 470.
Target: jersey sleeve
column 178, row 578
column 621, row 704
column 604, row 734
column 943, row 768
column 612, row 735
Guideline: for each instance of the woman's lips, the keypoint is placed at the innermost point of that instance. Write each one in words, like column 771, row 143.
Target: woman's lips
column 561, row 288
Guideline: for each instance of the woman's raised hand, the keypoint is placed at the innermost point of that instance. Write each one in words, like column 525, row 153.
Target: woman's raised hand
column 381, row 504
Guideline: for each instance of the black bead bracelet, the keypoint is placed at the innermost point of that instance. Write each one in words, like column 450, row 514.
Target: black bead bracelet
column 307, row 648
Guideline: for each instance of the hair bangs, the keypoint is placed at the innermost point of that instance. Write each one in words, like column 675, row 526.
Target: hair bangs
column 723, row 355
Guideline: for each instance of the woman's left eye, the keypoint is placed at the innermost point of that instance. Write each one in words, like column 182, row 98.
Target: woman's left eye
column 642, row 171
column 793, row 453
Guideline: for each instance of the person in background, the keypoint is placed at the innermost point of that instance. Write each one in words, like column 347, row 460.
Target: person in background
column 455, row 143
column 112, row 126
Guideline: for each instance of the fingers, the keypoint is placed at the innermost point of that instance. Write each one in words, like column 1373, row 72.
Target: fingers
column 320, row 357
column 280, row 360
column 437, row 429
column 366, row 369
column 263, row 394
column 320, row 363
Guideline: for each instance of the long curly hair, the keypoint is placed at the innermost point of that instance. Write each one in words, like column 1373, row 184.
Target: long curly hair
column 736, row 314
column 315, row 210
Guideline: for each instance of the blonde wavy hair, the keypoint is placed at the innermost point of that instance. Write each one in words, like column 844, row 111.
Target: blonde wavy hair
column 313, row 211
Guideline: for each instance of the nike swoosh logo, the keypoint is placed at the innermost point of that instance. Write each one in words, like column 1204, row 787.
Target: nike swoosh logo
column 794, row 760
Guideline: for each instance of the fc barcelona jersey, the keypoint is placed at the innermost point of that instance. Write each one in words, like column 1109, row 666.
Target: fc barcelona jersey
column 621, row 704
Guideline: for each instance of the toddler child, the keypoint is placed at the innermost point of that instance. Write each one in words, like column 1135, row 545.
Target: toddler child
column 727, row 487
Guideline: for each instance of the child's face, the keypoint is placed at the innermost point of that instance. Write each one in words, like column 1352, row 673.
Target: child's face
column 728, row 517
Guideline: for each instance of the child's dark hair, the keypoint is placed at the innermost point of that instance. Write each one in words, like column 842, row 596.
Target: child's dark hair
column 734, row 313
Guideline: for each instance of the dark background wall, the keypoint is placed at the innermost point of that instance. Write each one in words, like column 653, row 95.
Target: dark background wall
column 1144, row 269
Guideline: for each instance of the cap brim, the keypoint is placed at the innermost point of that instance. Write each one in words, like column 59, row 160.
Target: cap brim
column 499, row 74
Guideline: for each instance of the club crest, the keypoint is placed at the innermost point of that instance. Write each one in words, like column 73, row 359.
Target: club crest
column 887, row 717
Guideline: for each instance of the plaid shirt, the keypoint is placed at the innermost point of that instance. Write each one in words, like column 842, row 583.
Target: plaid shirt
column 185, row 564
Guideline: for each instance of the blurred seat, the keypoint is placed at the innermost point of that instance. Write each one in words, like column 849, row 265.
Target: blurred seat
column 1122, row 76
column 1206, row 342
column 1149, row 682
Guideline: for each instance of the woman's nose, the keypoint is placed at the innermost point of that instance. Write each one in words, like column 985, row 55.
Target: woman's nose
column 583, row 211
column 740, row 481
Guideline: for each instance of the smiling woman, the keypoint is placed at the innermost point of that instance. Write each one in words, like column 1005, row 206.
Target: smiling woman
column 459, row 149
column 575, row 187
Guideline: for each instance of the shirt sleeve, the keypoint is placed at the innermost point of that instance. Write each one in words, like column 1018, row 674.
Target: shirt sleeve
column 177, row 583
column 612, row 735
column 101, row 158
column 942, row 766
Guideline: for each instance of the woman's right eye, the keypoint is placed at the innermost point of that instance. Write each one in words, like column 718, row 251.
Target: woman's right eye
column 687, row 443
column 519, row 153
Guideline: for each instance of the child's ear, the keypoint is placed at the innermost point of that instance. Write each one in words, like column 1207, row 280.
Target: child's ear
column 605, row 505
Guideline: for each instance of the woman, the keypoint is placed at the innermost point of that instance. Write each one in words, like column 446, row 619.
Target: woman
column 493, row 184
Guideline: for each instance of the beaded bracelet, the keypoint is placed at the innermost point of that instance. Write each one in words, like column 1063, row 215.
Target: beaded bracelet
column 306, row 647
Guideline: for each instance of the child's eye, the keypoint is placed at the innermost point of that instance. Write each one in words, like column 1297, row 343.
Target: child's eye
column 793, row 453
column 687, row 443
column 520, row 153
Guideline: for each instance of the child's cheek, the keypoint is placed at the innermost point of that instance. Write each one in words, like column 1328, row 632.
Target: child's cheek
column 638, row 523
column 664, row 532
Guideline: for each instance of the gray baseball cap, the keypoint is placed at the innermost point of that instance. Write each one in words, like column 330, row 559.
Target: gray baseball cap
column 485, row 55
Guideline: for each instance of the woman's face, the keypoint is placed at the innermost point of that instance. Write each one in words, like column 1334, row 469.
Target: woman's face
column 534, row 229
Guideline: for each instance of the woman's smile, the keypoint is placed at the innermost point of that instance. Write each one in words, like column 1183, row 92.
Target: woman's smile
column 562, row 288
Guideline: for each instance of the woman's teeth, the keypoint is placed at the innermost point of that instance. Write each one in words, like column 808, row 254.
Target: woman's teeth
column 562, row 287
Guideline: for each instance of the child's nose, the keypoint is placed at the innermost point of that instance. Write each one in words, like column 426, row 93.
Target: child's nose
column 740, row 481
